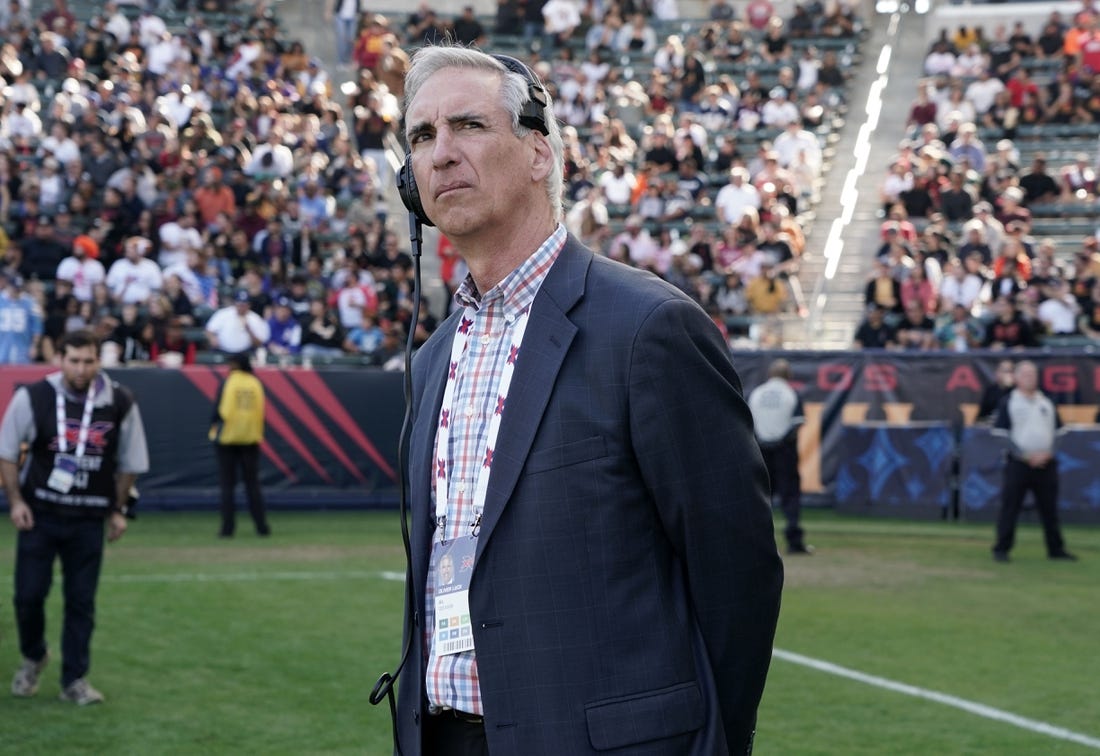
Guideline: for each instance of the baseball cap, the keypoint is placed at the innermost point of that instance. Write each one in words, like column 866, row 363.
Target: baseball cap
column 88, row 245
column 241, row 296
column 282, row 302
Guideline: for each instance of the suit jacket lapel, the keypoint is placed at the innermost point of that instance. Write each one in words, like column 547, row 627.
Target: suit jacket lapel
column 545, row 343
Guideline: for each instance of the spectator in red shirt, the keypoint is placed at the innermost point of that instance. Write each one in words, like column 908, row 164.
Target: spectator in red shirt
column 368, row 47
column 1089, row 55
column 758, row 13
column 1020, row 83
column 59, row 13
column 923, row 109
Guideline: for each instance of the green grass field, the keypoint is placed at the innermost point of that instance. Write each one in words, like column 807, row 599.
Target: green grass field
column 255, row 646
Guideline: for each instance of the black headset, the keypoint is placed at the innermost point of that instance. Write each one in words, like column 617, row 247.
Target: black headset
column 533, row 116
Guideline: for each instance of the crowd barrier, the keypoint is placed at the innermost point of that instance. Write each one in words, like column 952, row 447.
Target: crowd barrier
column 886, row 432
column 894, row 433
column 934, row 471
column 331, row 435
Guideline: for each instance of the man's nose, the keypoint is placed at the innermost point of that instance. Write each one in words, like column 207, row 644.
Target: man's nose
column 444, row 150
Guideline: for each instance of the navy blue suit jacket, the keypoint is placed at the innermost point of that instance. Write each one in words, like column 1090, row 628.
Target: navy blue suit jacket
column 626, row 585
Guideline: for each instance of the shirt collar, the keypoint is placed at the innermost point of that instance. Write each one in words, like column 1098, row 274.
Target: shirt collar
column 518, row 289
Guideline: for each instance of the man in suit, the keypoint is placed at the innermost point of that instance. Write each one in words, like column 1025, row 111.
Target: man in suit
column 593, row 561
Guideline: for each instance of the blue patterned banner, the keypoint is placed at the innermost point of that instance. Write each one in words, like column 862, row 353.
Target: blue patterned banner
column 896, row 470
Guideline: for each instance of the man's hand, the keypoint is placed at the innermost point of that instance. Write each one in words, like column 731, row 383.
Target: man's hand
column 1039, row 459
column 116, row 526
column 21, row 515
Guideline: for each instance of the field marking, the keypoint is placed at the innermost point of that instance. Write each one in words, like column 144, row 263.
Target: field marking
column 249, row 577
column 1033, row 725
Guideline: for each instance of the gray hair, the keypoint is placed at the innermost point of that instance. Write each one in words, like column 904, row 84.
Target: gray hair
column 514, row 94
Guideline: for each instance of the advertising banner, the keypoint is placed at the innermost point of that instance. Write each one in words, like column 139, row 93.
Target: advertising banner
column 878, row 428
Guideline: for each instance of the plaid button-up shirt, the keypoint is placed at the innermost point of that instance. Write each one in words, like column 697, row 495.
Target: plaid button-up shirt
column 452, row 680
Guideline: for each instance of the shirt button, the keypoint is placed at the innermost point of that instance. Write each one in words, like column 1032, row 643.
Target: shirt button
column 485, row 340
column 469, row 410
column 462, row 487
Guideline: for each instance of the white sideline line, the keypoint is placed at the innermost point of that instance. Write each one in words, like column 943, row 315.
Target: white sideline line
column 1043, row 728
column 247, row 577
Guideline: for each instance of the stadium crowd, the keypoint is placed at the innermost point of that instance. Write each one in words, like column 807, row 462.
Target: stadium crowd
column 695, row 149
column 161, row 168
column 960, row 265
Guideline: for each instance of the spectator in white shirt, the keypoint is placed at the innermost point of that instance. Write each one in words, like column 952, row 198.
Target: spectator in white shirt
column 809, row 68
column 24, row 90
column 247, row 52
column 560, row 18
column 51, row 185
column 983, row 91
column 637, row 36
column 60, row 144
column 940, row 61
column 150, row 28
column 272, row 158
column 177, row 105
column 132, row 279
column 618, row 185
column 117, row 24
column 666, row 10
column 237, row 328
column 795, row 140
column 779, row 110
column 898, row 181
column 959, row 287
column 22, row 122
column 82, row 269
column 1060, row 310
column 162, row 54
column 352, row 300
column 735, row 196
column 178, row 238
column 970, row 63
column 634, row 245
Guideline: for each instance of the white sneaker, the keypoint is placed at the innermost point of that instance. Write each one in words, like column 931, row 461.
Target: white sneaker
column 25, row 682
column 81, row 693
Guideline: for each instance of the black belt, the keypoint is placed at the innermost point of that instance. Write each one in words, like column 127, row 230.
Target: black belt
column 461, row 716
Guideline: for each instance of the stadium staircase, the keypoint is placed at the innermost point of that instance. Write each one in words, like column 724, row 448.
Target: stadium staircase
column 844, row 235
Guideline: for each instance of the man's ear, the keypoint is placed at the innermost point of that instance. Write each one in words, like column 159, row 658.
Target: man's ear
column 542, row 157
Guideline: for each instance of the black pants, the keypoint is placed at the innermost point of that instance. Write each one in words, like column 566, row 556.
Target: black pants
column 1019, row 478
column 448, row 735
column 782, row 462
column 78, row 541
column 246, row 459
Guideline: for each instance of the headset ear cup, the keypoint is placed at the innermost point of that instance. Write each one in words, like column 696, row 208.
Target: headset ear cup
column 533, row 115
column 410, row 194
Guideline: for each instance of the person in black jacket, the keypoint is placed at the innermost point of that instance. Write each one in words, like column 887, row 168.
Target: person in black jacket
column 85, row 445
column 1003, row 382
